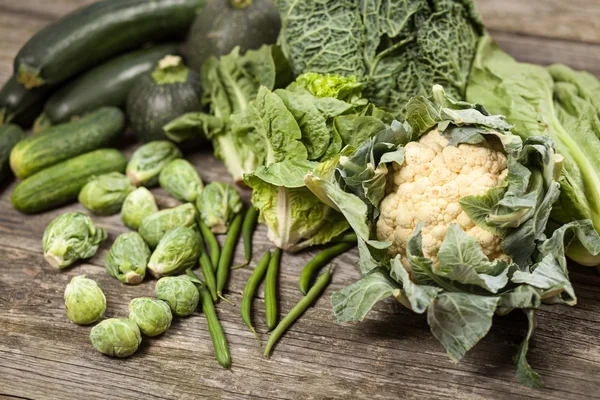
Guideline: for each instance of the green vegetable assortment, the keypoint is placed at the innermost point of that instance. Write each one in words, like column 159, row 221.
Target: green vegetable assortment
column 465, row 178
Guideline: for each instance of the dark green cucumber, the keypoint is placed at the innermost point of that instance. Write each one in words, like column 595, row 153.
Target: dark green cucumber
column 158, row 98
column 19, row 105
column 10, row 134
column 61, row 183
column 105, row 85
column 90, row 35
column 225, row 24
column 64, row 141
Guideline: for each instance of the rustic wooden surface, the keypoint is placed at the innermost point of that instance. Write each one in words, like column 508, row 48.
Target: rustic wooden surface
column 390, row 355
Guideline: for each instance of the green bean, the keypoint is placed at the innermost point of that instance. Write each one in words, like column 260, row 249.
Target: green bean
column 298, row 310
column 271, row 305
column 318, row 261
column 209, row 275
column 213, row 244
column 250, row 220
column 233, row 234
column 345, row 238
column 253, row 282
column 214, row 326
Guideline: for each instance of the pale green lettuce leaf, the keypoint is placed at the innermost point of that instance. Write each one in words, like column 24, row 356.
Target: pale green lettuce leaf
column 525, row 374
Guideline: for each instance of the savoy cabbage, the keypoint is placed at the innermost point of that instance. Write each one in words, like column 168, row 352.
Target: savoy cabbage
column 398, row 48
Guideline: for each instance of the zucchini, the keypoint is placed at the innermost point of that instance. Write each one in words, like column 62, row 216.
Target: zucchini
column 158, row 98
column 105, row 85
column 10, row 134
column 93, row 34
column 61, row 183
column 64, row 141
column 225, row 24
column 19, row 105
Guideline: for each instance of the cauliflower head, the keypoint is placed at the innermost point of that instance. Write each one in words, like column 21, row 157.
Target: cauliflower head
column 427, row 187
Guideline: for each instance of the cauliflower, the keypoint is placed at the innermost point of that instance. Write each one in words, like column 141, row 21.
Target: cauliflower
column 427, row 188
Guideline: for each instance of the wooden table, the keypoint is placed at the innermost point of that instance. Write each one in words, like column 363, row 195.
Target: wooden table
column 390, row 355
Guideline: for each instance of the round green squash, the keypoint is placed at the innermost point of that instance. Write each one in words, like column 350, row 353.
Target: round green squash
column 158, row 98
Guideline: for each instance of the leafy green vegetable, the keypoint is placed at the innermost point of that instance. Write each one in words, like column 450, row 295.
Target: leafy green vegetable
column 137, row 205
column 218, row 203
column 230, row 83
column 128, row 258
column 71, row 237
column 178, row 250
column 397, row 49
column 148, row 160
column 105, row 194
column 296, row 218
column 154, row 226
column 84, row 300
column 180, row 178
column 556, row 102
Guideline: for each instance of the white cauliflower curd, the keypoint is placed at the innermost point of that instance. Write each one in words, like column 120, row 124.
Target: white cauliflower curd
column 427, row 188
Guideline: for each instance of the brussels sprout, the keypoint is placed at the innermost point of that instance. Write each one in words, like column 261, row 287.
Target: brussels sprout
column 71, row 237
column 178, row 250
column 128, row 258
column 137, row 205
column 105, row 194
column 181, row 179
column 152, row 316
column 116, row 337
column 218, row 202
column 84, row 300
column 154, row 226
column 180, row 293
column 148, row 160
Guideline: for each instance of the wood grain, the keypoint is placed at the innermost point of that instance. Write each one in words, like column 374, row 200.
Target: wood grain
column 389, row 355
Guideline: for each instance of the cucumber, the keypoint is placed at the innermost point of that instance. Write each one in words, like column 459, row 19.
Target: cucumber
column 93, row 34
column 105, row 85
column 19, row 105
column 64, row 141
column 158, row 98
column 9, row 136
column 61, row 183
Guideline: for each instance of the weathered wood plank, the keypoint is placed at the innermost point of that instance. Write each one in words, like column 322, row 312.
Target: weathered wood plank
column 390, row 355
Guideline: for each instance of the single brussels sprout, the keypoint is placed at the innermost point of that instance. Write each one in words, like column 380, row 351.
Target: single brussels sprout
column 180, row 293
column 178, row 250
column 154, row 226
column 105, row 194
column 148, row 160
column 218, row 202
column 128, row 258
column 137, row 205
column 116, row 337
column 84, row 300
column 71, row 237
column 180, row 179
column 152, row 316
